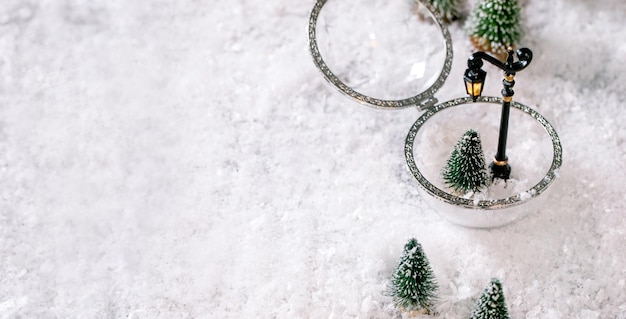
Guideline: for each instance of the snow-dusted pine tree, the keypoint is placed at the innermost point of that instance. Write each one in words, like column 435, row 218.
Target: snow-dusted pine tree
column 413, row 284
column 495, row 25
column 449, row 10
column 466, row 169
column 491, row 303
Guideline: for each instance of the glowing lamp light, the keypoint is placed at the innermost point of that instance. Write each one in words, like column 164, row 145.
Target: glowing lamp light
column 474, row 82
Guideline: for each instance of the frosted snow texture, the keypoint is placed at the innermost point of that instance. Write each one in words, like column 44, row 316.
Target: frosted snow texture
column 185, row 159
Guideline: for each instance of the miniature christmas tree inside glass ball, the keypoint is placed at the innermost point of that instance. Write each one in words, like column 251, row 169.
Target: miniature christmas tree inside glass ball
column 413, row 284
column 466, row 169
column 491, row 304
column 533, row 150
column 494, row 25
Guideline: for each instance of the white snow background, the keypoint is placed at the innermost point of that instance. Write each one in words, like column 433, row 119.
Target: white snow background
column 185, row 159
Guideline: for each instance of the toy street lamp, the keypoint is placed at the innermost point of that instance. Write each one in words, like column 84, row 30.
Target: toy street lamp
column 474, row 81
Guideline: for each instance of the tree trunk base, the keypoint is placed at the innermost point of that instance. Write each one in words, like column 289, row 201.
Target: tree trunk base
column 481, row 45
column 415, row 313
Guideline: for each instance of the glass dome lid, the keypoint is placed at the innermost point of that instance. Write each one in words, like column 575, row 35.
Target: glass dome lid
column 383, row 54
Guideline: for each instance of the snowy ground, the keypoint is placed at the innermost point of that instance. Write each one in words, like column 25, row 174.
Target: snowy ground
column 184, row 159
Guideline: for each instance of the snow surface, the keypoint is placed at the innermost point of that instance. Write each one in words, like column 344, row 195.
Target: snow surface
column 185, row 159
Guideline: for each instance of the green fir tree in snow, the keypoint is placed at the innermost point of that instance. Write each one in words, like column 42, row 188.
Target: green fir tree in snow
column 449, row 10
column 466, row 170
column 413, row 284
column 491, row 304
column 495, row 25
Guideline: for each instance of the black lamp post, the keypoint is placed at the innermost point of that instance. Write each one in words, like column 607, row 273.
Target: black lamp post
column 474, row 81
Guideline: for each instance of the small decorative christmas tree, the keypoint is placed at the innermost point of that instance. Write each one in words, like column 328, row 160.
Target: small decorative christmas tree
column 413, row 285
column 449, row 10
column 494, row 25
column 466, row 170
column 491, row 303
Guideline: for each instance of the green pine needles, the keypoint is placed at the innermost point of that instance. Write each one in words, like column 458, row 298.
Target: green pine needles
column 494, row 25
column 491, row 303
column 466, row 170
column 413, row 284
column 449, row 10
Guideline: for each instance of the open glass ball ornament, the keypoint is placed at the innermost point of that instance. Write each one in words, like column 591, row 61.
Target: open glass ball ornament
column 399, row 54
